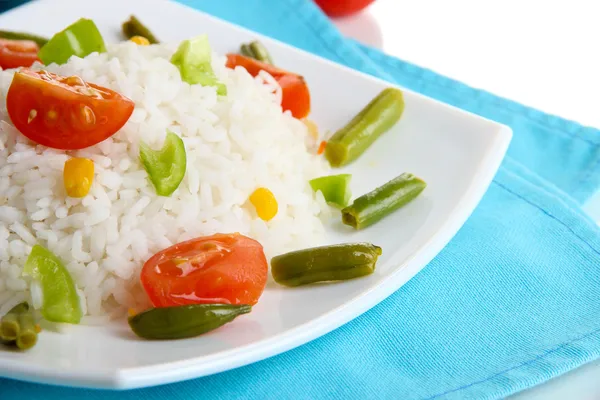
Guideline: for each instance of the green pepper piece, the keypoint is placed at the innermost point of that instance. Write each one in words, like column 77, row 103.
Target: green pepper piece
column 347, row 144
column 61, row 302
column 192, row 58
column 23, row 36
column 327, row 263
column 78, row 39
column 165, row 167
column 375, row 205
column 133, row 27
column 335, row 189
column 184, row 321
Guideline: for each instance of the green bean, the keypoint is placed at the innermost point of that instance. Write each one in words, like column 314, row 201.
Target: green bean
column 348, row 143
column 23, row 36
column 9, row 324
column 184, row 321
column 257, row 51
column 27, row 337
column 375, row 205
column 245, row 51
column 9, row 327
column 133, row 27
column 322, row 264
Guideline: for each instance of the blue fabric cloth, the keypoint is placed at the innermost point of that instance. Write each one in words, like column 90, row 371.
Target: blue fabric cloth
column 511, row 301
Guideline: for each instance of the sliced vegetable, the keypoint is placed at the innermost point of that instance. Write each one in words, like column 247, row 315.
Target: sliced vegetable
column 17, row 327
column 295, row 96
column 40, row 40
column 78, row 39
column 347, row 144
column 257, row 51
column 295, row 93
column 265, row 203
column 335, row 188
column 78, row 175
column 192, row 58
column 64, row 113
column 133, row 27
column 322, row 147
column 9, row 324
column 18, row 53
column 220, row 269
column 165, row 167
column 377, row 204
column 322, row 264
column 184, row 321
column 140, row 40
column 60, row 299
column 27, row 332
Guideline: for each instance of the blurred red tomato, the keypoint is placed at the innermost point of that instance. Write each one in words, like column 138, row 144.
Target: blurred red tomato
column 342, row 8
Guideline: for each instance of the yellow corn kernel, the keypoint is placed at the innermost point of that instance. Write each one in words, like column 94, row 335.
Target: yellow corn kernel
column 142, row 41
column 78, row 176
column 313, row 130
column 265, row 203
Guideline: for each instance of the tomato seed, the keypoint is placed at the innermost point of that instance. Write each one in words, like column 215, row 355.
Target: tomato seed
column 88, row 115
column 32, row 115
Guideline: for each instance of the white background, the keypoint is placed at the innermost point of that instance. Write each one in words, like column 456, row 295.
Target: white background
column 545, row 54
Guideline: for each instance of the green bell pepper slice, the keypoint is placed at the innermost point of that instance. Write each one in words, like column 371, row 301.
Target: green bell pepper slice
column 165, row 167
column 61, row 302
column 78, row 39
column 335, row 189
column 192, row 58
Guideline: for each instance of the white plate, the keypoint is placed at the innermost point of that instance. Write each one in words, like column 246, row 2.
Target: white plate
column 457, row 153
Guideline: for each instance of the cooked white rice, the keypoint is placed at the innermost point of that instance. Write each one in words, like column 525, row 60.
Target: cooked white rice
column 234, row 145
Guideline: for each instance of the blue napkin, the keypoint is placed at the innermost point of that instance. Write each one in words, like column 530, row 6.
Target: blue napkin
column 511, row 301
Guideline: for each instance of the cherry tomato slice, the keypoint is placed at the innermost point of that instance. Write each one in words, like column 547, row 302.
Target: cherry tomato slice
column 223, row 268
column 18, row 53
column 295, row 94
column 64, row 113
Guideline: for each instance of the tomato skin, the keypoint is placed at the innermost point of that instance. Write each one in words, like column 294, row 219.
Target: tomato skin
column 222, row 268
column 18, row 53
column 342, row 8
column 295, row 94
column 63, row 117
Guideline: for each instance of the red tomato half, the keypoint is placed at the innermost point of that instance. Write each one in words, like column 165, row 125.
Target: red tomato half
column 341, row 8
column 64, row 113
column 223, row 268
column 295, row 95
column 18, row 53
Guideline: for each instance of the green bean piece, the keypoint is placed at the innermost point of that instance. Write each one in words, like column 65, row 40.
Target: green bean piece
column 348, row 143
column 246, row 51
column 23, row 36
column 133, row 27
column 27, row 337
column 260, row 52
column 377, row 204
column 9, row 324
column 9, row 327
column 257, row 51
column 323, row 264
column 184, row 321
